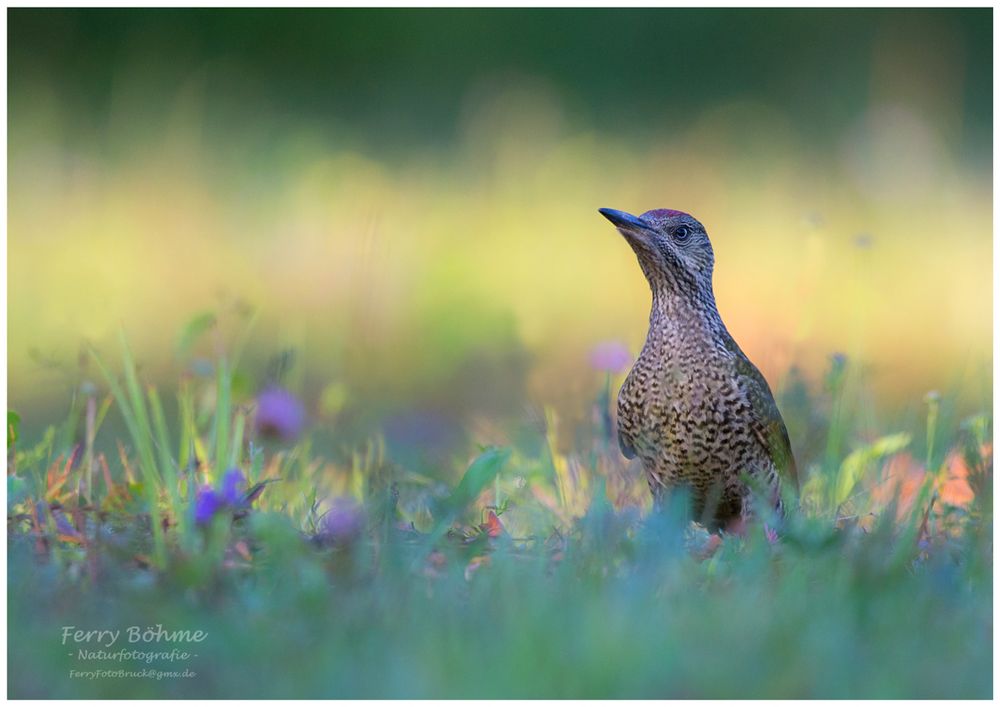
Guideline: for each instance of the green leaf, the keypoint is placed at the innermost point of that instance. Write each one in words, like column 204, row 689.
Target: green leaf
column 137, row 408
column 161, row 437
column 858, row 461
column 13, row 425
column 222, row 412
column 189, row 431
column 477, row 477
column 236, row 448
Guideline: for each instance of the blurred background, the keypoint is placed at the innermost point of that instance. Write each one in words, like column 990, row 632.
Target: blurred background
column 404, row 202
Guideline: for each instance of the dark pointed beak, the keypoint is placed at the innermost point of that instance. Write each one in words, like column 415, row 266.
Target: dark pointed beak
column 624, row 220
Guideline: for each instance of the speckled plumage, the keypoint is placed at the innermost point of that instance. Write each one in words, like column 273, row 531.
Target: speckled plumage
column 693, row 408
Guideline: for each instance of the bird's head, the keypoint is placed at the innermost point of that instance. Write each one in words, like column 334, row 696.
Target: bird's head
column 672, row 247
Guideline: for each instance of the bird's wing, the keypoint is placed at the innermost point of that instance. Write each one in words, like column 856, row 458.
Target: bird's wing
column 625, row 441
column 625, row 445
column 768, row 426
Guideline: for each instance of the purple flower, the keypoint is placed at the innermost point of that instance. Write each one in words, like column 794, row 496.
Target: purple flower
column 279, row 414
column 63, row 525
column 206, row 504
column 610, row 356
column 233, row 483
column 209, row 501
column 343, row 522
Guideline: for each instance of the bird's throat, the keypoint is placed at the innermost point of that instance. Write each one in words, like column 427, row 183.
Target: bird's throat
column 688, row 320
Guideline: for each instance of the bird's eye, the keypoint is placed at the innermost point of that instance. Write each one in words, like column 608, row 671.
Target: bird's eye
column 681, row 233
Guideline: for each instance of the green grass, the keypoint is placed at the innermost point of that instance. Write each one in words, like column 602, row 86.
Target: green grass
column 585, row 593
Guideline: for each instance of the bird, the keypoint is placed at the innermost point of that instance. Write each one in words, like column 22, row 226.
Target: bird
column 693, row 408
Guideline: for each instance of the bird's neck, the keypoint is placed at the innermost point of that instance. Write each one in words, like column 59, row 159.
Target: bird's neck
column 684, row 319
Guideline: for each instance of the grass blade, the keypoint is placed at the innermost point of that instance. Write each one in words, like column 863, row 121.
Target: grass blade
column 142, row 439
column 222, row 397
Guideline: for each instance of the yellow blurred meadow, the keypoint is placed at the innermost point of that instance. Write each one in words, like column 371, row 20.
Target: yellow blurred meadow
column 393, row 267
column 396, row 271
